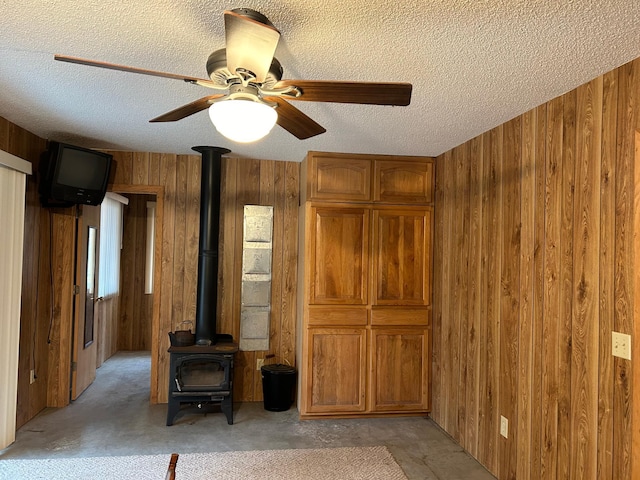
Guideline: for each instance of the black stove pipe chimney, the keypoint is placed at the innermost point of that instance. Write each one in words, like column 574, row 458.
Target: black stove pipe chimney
column 207, row 293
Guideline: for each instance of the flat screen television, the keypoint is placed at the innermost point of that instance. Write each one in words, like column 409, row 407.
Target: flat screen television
column 71, row 175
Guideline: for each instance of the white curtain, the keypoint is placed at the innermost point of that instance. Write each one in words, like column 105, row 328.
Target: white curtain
column 111, row 211
column 13, row 172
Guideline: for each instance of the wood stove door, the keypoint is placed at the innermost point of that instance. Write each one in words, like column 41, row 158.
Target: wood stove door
column 83, row 367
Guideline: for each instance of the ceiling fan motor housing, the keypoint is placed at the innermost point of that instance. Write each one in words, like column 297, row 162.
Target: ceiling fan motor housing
column 220, row 74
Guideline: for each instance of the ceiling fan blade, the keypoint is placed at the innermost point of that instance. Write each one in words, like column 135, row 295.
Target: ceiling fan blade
column 370, row 93
column 250, row 43
column 124, row 68
column 294, row 121
column 186, row 110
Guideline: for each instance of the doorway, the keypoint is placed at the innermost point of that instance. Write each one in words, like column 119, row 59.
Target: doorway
column 143, row 336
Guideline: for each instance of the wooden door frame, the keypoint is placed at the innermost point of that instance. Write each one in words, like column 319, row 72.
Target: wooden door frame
column 158, row 191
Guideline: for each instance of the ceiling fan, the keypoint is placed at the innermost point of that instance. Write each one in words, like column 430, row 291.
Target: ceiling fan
column 247, row 79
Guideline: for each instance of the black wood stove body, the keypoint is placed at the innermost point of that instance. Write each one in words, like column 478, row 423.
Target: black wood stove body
column 201, row 378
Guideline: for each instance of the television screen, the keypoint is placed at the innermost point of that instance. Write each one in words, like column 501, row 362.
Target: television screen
column 81, row 169
column 73, row 175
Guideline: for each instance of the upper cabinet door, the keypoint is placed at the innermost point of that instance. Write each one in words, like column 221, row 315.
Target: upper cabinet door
column 339, row 179
column 403, row 182
column 339, row 252
column 401, row 256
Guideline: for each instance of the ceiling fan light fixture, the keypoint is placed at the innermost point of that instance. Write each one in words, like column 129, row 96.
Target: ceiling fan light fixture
column 243, row 120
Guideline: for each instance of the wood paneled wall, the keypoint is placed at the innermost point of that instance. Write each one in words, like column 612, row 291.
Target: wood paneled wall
column 243, row 182
column 36, row 310
column 535, row 263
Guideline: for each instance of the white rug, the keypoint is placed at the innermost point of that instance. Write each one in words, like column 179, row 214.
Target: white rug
column 352, row 463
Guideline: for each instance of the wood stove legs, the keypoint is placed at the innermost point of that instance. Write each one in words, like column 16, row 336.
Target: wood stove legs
column 227, row 408
column 176, row 402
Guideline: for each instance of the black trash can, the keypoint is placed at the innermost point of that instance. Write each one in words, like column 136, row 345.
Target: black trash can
column 278, row 386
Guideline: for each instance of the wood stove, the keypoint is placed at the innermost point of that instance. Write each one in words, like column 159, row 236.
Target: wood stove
column 201, row 375
column 201, row 379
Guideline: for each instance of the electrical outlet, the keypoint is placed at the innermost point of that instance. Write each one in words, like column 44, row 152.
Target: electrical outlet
column 621, row 345
column 259, row 363
column 32, row 376
column 504, row 427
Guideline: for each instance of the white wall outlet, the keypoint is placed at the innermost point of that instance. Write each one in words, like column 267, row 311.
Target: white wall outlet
column 504, row 427
column 259, row 363
column 32, row 376
column 621, row 345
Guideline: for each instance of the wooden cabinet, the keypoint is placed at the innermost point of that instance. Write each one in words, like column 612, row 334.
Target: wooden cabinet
column 346, row 180
column 336, row 367
column 399, row 369
column 338, row 255
column 365, row 293
column 403, row 182
column 401, row 256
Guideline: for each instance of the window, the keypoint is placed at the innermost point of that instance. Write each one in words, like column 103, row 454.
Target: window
column 110, row 245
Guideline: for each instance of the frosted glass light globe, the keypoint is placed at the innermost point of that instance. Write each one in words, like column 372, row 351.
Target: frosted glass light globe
column 243, row 121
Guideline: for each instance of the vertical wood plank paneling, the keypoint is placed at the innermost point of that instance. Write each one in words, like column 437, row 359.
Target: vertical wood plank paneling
column 538, row 293
column 462, row 282
column 606, row 294
column 268, row 196
column 288, row 323
column 624, row 271
column 567, row 212
column 179, row 243
column 248, row 193
column 142, row 316
column 634, row 414
column 192, row 235
column 123, row 168
column 62, row 264
column 278, row 199
column 228, row 248
column 527, row 274
column 140, row 168
column 586, row 247
column 510, row 295
column 473, row 340
column 36, row 302
column 127, row 278
column 447, row 169
column 168, row 180
column 437, row 392
column 565, row 434
column 491, row 297
column 551, row 288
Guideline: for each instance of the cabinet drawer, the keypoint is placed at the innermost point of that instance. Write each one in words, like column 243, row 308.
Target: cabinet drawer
column 330, row 316
column 381, row 316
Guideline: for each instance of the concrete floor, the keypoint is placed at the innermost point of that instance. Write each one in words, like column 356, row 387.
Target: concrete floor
column 113, row 417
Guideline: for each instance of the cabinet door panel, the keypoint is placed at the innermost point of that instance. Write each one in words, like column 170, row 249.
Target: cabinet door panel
column 339, row 256
column 337, row 179
column 337, row 366
column 400, row 369
column 403, row 182
column 402, row 257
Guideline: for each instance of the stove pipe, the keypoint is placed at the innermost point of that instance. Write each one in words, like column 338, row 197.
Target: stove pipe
column 207, row 294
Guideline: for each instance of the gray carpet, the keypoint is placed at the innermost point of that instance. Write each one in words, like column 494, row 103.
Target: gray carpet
column 350, row 463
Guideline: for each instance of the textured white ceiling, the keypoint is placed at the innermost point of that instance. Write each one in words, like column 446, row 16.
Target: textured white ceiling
column 474, row 64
